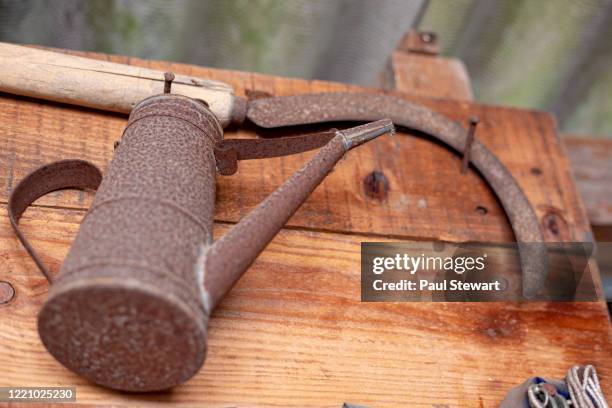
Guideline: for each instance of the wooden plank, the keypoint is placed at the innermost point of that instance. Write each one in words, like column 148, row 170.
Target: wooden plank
column 430, row 76
column 416, row 68
column 603, row 236
column 294, row 333
column 98, row 84
column 591, row 160
column 439, row 203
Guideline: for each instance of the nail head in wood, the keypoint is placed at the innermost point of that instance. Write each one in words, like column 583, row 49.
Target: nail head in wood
column 168, row 78
column 473, row 121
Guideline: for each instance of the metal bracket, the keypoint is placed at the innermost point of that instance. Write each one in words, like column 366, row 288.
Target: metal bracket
column 229, row 151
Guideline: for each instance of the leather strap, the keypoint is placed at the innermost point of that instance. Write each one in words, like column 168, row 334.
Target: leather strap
column 59, row 175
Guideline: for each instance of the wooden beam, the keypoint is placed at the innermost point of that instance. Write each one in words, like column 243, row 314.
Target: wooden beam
column 591, row 160
column 416, row 68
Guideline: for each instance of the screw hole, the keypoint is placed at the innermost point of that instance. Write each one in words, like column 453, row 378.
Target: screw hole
column 481, row 210
column 376, row 185
column 536, row 171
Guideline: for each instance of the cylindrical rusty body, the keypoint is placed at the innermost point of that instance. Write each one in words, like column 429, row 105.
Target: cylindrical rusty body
column 126, row 310
column 130, row 307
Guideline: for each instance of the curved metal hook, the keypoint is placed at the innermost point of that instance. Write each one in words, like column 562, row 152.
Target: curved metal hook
column 59, row 175
column 326, row 107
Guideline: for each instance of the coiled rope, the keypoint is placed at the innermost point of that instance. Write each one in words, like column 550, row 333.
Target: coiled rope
column 583, row 385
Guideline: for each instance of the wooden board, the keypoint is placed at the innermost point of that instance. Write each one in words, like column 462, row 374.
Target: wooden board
column 427, row 197
column 590, row 157
column 293, row 332
column 592, row 164
column 437, row 77
column 430, row 76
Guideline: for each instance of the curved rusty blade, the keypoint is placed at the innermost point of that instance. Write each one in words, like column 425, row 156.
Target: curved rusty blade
column 316, row 108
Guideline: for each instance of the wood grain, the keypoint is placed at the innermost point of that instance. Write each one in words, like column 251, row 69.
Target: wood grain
column 98, row 84
column 293, row 331
column 427, row 196
column 591, row 160
column 430, row 76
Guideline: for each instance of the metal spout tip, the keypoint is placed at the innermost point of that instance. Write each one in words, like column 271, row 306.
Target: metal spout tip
column 358, row 135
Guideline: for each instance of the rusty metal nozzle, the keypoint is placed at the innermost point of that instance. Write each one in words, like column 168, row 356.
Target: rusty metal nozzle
column 359, row 135
column 228, row 258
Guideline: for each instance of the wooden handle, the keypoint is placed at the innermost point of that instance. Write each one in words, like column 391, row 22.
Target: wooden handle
column 99, row 84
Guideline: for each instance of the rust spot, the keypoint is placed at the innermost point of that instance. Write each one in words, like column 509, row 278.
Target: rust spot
column 555, row 227
column 481, row 210
column 536, row 171
column 7, row 292
column 252, row 94
column 376, row 185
